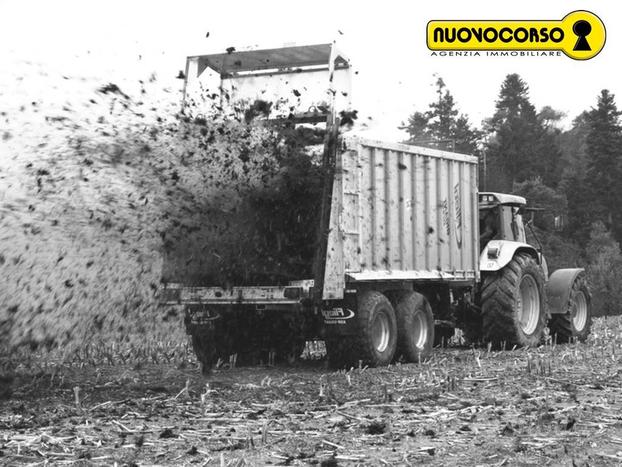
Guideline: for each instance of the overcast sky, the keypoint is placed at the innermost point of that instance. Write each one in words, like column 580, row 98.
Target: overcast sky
column 124, row 41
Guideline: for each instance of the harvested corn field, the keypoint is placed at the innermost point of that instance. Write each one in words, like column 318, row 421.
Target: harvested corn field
column 555, row 405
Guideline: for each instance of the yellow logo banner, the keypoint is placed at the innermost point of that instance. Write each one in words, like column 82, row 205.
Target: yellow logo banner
column 580, row 35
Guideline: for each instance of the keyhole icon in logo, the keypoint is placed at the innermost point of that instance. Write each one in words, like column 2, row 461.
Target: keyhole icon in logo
column 582, row 29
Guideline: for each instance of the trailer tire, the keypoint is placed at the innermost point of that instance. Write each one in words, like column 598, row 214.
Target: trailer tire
column 415, row 327
column 513, row 303
column 576, row 323
column 376, row 340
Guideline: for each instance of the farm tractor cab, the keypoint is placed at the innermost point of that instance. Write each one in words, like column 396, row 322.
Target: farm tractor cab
column 406, row 249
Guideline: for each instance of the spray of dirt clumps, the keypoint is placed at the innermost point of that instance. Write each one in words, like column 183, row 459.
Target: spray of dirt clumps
column 97, row 211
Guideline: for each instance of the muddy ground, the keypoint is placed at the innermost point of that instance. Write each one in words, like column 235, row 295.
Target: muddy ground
column 555, row 405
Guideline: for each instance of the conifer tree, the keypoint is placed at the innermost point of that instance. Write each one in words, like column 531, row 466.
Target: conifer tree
column 573, row 169
column 604, row 163
column 442, row 126
column 519, row 145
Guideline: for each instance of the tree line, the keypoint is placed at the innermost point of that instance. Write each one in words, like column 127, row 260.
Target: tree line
column 574, row 174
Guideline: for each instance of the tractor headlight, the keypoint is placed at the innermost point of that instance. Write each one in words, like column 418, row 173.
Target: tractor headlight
column 493, row 252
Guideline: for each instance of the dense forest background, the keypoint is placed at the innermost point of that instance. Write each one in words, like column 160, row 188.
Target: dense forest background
column 574, row 174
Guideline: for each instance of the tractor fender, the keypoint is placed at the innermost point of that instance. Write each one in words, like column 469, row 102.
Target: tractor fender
column 558, row 289
column 498, row 253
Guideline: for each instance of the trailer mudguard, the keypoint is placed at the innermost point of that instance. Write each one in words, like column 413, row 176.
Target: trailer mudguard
column 340, row 317
column 498, row 253
column 558, row 289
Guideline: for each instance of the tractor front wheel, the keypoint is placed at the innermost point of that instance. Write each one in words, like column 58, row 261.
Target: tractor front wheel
column 576, row 322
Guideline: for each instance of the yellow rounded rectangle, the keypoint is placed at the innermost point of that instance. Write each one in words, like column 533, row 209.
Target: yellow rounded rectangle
column 580, row 35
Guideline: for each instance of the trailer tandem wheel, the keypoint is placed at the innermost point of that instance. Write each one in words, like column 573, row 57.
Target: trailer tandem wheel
column 376, row 340
column 415, row 327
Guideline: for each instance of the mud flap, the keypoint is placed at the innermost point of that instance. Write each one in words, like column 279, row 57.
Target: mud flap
column 339, row 317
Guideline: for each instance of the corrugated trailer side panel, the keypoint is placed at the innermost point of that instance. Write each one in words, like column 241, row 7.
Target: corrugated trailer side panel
column 408, row 212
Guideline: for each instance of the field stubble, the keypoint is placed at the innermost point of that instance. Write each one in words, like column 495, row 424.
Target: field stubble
column 148, row 404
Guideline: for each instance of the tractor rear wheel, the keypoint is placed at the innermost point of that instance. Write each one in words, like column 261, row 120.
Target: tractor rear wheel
column 415, row 327
column 513, row 303
column 376, row 338
column 575, row 324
